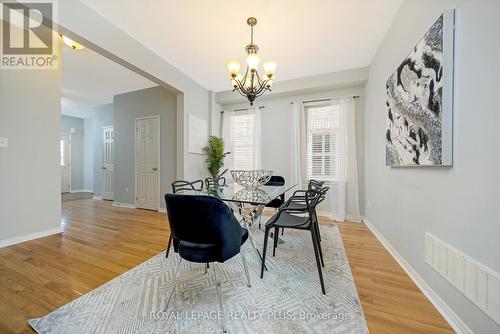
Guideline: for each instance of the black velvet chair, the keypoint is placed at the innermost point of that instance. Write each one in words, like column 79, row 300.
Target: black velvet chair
column 204, row 230
column 181, row 185
column 286, row 218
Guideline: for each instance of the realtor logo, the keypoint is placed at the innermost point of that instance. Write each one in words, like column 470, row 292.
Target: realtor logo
column 27, row 35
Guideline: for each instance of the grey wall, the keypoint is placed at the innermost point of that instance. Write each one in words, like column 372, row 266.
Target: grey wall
column 30, row 176
column 77, row 147
column 276, row 132
column 103, row 116
column 127, row 107
column 88, row 154
column 459, row 205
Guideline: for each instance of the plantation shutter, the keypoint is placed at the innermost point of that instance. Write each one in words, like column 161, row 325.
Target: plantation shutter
column 326, row 153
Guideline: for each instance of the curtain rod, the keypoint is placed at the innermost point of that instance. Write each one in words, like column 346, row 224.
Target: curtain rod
column 244, row 109
column 324, row 100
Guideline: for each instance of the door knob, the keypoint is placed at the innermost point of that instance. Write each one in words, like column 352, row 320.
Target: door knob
column 155, row 169
column 103, row 167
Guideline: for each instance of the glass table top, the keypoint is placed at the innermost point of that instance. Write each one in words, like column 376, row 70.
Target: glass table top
column 233, row 192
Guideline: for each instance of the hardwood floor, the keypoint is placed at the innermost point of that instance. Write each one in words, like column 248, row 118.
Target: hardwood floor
column 100, row 242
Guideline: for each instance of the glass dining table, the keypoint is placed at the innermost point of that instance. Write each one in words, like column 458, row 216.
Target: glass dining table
column 233, row 192
column 237, row 196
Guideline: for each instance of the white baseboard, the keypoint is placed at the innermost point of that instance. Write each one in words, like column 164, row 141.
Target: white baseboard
column 31, row 236
column 124, row 205
column 98, row 198
column 164, row 210
column 81, row 191
column 455, row 322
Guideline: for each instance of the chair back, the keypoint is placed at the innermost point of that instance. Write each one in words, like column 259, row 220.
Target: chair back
column 203, row 228
column 210, row 182
column 314, row 197
column 276, row 180
column 315, row 184
column 186, row 185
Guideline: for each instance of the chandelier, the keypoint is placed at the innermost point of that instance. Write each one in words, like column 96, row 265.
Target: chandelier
column 251, row 84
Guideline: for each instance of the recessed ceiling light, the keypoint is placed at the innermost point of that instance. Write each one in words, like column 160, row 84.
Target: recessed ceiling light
column 72, row 44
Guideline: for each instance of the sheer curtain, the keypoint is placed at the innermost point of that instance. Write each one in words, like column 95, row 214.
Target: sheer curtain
column 348, row 107
column 324, row 148
column 298, row 140
column 343, row 195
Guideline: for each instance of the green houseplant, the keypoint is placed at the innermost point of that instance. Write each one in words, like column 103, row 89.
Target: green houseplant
column 215, row 155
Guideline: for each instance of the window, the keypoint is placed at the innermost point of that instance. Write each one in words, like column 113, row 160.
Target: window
column 324, row 159
column 243, row 138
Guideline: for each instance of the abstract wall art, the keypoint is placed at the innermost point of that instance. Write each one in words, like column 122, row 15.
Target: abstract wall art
column 420, row 101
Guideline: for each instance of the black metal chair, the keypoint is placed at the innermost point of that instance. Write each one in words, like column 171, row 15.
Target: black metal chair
column 210, row 182
column 186, row 185
column 204, row 230
column 181, row 185
column 297, row 201
column 275, row 180
column 286, row 218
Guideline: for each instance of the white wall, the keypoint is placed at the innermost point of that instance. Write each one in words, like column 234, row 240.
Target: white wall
column 30, row 176
column 276, row 132
column 126, row 108
column 77, row 149
column 459, row 205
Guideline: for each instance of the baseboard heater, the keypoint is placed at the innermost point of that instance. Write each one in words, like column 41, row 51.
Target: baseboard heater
column 475, row 281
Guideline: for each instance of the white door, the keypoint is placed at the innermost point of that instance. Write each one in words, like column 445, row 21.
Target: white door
column 147, row 157
column 108, row 162
column 65, row 163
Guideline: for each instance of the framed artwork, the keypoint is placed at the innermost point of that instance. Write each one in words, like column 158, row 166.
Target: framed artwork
column 197, row 134
column 419, row 114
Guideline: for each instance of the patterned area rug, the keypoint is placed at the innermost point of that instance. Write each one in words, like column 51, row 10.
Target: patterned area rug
column 287, row 300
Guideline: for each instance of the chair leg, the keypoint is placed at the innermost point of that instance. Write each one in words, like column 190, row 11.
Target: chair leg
column 219, row 295
column 252, row 242
column 319, row 246
column 282, row 231
column 316, row 253
column 275, row 239
column 317, row 225
column 169, row 243
column 206, row 268
column 264, row 249
column 176, row 273
column 245, row 267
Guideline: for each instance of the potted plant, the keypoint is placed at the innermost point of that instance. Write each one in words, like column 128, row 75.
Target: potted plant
column 215, row 155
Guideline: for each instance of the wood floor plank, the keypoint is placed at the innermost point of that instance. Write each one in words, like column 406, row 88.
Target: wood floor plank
column 101, row 242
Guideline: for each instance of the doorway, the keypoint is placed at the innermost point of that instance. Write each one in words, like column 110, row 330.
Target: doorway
column 65, row 152
column 108, row 162
column 147, row 162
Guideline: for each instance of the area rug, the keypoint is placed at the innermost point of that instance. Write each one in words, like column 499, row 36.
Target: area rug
column 288, row 299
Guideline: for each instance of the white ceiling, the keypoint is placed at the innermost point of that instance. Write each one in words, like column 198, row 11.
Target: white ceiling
column 89, row 79
column 305, row 37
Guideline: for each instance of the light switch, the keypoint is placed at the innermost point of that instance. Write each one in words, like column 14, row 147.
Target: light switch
column 4, row 142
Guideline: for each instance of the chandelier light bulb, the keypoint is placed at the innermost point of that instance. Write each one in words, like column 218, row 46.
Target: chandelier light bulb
column 233, row 68
column 270, row 69
column 269, row 83
column 253, row 61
